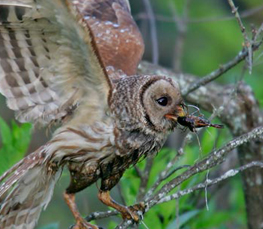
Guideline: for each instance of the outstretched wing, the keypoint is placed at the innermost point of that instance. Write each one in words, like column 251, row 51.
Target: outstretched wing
column 116, row 34
column 49, row 61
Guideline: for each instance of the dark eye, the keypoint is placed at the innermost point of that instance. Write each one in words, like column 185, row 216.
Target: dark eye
column 163, row 101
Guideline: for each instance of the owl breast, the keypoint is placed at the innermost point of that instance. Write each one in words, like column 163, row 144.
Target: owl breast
column 129, row 148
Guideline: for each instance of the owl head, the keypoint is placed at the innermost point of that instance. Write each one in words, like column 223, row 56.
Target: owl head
column 149, row 103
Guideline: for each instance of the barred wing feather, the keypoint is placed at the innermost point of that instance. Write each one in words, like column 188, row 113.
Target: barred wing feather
column 48, row 60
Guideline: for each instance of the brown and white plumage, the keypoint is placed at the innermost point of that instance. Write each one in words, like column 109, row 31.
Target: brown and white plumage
column 75, row 61
column 48, row 60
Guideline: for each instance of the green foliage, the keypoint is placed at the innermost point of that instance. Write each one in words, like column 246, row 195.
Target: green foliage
column 15, row 142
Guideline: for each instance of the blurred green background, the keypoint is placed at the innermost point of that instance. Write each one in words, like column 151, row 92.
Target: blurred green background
column 212, row 37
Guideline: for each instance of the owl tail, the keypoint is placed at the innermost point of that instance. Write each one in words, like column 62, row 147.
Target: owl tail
column 27, row 189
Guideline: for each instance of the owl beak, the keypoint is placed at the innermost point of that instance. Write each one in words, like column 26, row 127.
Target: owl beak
column 179, row 112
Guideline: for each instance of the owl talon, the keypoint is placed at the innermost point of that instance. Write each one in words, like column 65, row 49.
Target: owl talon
column 134, row 212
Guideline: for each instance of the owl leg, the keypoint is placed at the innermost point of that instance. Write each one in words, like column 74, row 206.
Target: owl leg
column 131, row 212
column 81, row 223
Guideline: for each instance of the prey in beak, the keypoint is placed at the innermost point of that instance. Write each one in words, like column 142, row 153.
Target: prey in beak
column 190, row 121
column 179, row 112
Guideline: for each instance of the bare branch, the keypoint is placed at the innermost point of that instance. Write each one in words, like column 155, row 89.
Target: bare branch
column 101, row 215
column 237, row 16
column 208, row 182
column 248, row 43
column 218, row 72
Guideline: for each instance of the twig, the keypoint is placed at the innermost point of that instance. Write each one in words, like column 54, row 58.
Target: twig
column 222, row 69
column 208, row 182
column 248, row 43
column 237, row 16
column 101, row 215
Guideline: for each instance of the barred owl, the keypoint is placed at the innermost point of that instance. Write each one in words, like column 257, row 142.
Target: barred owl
column 73, row 62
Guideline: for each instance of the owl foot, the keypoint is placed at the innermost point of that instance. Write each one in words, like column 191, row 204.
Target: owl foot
column 133, row 213
column 81, row 223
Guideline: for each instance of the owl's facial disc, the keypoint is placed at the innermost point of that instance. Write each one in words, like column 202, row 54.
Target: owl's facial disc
column 163, row 104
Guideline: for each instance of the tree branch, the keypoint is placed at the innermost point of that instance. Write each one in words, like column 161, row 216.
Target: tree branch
column 220, row 71
column 208, row 182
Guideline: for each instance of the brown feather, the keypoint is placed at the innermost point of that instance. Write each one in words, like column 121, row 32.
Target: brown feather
column 117, row 36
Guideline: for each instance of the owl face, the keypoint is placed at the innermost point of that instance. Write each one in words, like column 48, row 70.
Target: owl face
column 150, row 103
column 162, row 102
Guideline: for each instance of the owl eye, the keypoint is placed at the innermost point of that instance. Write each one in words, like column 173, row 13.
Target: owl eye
column 163, row 101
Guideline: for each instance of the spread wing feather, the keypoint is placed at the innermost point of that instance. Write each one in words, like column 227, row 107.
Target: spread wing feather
column 48, row 59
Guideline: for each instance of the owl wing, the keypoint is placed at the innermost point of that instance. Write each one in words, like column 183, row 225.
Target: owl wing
column 116, row 34
column 49, row 59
